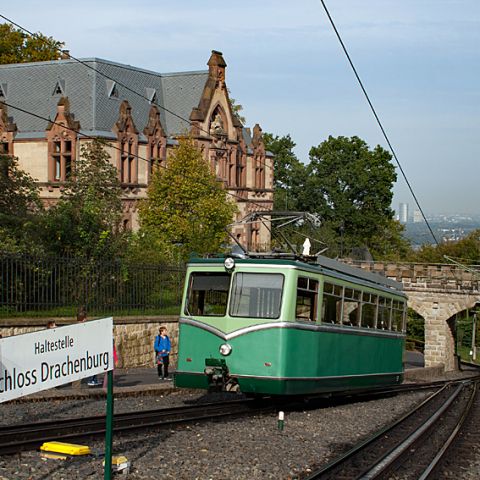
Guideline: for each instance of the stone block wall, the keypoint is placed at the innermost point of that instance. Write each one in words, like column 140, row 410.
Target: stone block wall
column 134, row 341
column 134, row 337
column 437, row 292
column 426, row 276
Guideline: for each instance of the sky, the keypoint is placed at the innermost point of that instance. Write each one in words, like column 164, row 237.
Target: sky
column 418, row 59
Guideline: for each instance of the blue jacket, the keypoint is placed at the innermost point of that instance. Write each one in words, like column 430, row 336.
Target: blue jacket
column 162, row 345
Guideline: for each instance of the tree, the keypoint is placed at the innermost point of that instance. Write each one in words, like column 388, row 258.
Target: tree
column 20, row 206
column 465, row 251
column 186, row 209
column 236, row 108
column 18, row 47
column 289, row 172
column 85, row 220
column 350, row 186
column 388, row 243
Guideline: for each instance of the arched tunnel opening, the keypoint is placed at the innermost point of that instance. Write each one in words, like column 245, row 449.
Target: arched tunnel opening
column 415, row 331
column 415, row 341
column 465, row 327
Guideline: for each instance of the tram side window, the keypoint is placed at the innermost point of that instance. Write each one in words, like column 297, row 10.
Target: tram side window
column 332, row 303
column 352, row 307
column 384, row 308
column 307, row 293
column 256, row 295
column 369, row 310
column 207, row 294
column 397, row 316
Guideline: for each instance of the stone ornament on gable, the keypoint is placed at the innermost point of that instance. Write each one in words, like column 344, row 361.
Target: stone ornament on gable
column 216, row 128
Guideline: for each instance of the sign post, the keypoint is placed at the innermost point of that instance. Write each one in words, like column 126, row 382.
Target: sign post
column 109, row 428
column 45, row 359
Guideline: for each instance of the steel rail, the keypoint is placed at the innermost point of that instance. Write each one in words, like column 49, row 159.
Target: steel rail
column 18, row 437
column 390, row 458
column 337, row 462
column 428, row 471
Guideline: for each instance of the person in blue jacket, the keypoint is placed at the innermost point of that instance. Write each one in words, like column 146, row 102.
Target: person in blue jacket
column 162, row 348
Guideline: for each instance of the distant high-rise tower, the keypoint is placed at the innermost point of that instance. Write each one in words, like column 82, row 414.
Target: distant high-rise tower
column 403, row 213
column 417, row 216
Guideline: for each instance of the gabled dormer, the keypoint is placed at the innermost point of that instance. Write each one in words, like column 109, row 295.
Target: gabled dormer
column 214, row 103
column 127, row 135
column 151, row 94
column 112, row 88
column 59, row 89
column 62, row 143
column 156, row 141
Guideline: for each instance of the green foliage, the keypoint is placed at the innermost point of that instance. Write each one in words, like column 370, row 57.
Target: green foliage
column 19, row 206
column 389, row 243
column 350, row 186
column 236, row 108
column 85, row 220
column 18, row 47
column 415, row 329
column 348, row 182
column 466, row 251
column 187, row 210
column 464, row 330
column 290, row 174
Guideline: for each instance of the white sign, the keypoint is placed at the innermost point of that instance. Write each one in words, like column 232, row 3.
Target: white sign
column 47, row 358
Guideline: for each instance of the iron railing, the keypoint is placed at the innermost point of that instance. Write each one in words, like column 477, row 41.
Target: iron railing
column 33, row 284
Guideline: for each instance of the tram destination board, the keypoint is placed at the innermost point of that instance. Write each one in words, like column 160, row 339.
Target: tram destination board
column 45, row 359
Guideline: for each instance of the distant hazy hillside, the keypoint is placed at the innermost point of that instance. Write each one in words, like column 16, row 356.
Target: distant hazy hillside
column 446, row 228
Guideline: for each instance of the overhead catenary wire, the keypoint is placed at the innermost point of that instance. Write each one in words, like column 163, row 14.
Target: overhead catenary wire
column 372, row 108
column 85, row 64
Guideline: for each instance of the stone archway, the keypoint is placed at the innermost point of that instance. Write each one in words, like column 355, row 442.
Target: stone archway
column 438, row 309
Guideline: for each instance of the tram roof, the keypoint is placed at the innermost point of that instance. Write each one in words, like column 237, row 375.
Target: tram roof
column 320, row 263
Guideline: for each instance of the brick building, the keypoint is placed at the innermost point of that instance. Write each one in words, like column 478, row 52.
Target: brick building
column 81, row 97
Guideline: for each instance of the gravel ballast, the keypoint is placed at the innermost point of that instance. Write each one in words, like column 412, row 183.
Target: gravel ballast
column 240, row 448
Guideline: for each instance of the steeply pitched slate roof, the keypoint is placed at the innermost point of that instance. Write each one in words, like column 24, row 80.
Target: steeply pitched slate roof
column 31, row 86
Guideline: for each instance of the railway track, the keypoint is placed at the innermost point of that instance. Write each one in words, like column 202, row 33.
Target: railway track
column 463, row 451
column 413, row 446
column 14, row 438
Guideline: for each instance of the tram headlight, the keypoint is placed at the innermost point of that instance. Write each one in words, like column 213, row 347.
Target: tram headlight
column 229, row 264
column 225, row 349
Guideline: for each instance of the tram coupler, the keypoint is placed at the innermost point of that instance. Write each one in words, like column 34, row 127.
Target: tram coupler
column 217, row 373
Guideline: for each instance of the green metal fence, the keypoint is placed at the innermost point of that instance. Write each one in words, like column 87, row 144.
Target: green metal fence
column 32, row 285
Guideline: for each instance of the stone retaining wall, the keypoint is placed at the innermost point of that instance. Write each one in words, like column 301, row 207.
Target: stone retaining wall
column 134, row 337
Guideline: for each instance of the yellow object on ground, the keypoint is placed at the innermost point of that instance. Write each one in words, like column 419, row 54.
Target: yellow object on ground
column 68, row 448
column 53, row 456
column 120, row 464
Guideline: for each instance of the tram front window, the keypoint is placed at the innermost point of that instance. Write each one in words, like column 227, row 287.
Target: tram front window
column 208, row 294
column 256, row 295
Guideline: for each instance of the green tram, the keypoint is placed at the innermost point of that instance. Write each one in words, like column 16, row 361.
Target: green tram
column 279, row 325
